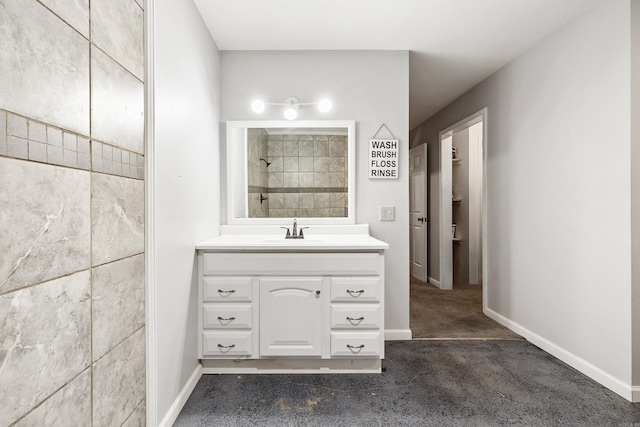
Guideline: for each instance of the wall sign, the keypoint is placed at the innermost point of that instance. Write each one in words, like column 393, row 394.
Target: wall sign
column 383, row 158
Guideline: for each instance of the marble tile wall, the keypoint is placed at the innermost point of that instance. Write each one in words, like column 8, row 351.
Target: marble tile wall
column 72, row 341
column 114, row 317
column 118, row 387
column 46, row 224
column 117, row 229
column 46, row 341
column 44, row 64
column 117, row 103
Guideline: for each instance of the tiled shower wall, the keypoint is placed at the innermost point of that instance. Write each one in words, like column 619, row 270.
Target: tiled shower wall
column 307, row 177
column 72, row 332
column 258, row 177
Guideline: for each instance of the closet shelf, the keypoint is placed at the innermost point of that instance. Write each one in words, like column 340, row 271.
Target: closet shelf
column 456, row 201
column 456, row 160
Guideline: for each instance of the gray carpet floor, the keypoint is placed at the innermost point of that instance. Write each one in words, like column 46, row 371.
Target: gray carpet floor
column 425, row 383
column 453, row 313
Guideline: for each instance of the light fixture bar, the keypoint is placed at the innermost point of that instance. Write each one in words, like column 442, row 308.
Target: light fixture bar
column 291, row 106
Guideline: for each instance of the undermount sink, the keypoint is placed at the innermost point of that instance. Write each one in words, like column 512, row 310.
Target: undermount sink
column 282, row 240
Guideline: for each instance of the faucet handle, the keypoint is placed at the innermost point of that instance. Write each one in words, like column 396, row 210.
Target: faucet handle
column 302, row 228
column 288, row 231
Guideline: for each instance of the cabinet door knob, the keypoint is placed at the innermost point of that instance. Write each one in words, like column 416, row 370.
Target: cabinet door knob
column 317, row 292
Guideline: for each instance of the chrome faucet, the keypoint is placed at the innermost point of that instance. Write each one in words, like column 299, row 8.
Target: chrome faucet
column 295, row 234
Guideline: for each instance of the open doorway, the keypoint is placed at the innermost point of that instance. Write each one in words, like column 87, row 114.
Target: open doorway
column 461, row 200
column 449, row 303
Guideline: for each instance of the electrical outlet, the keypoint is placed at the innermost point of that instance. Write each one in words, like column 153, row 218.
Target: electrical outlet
column 387, row 213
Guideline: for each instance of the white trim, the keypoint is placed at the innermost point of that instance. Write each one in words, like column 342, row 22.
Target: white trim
column 181, row 399
column 607, row 380
column 397, row 334
column 285, row 365
column 149, row 235
column 446, row 211
column 434, row 282
column 445, row 247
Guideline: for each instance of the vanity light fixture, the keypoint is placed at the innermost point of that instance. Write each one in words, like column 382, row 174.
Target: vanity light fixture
column 291, row 106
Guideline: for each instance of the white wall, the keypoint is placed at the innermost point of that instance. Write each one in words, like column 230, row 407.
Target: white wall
column 635, row 190
column 185, row 204
column 558, row 192
column 475, row 204
column 370, row 87
column 460, row 212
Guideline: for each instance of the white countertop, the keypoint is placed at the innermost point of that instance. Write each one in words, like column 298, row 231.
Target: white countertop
column 272, row 238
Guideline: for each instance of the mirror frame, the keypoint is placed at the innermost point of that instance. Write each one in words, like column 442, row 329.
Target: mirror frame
column 237, row 178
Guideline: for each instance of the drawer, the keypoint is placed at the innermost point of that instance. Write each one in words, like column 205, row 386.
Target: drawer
column 292, row 264
column 227, row 343
column 355, row 316
column 355, row 289
column 230, row 289
column 227, row 316
column 356, row 344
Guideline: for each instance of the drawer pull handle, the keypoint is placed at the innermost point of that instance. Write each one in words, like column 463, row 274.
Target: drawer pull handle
column 230, row 291
column 355, row 347
column 226, row 319
column 354, row 319
column 226, row 346
column 361, row 291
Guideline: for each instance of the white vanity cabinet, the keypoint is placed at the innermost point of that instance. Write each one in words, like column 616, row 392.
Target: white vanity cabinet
column 356, row 317
column 291, row 316
column 227, row 312
column 275, row 310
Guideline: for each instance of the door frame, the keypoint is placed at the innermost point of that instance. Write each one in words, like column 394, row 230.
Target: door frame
column 425, row 224
column 446, row 169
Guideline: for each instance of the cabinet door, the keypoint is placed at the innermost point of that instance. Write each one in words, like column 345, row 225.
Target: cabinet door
column 291, row 316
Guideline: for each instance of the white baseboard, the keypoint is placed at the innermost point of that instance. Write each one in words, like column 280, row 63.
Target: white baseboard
column 291, row 366
column 397, row 334
column 434, row 282
column 181, row 399
column 625, row 390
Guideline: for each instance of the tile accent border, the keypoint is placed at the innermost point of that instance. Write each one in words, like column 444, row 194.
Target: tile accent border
column 27, row 139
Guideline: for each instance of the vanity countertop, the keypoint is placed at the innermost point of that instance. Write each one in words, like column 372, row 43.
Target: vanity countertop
column 271, row 238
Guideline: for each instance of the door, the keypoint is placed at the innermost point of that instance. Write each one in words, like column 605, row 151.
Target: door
column 418, row 206
column 291, row 317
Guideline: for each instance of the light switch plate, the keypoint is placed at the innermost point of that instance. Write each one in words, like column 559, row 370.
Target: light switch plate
column 387, row 213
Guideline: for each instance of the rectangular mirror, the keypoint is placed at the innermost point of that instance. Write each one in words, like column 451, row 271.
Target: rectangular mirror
column 280, row 170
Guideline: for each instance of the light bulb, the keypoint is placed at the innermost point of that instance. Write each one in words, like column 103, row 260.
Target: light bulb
column 291, row 108
column 290, row 113
column 324, row 105
column 257, row 106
